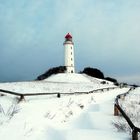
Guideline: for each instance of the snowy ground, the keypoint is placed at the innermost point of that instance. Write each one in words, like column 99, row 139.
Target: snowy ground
column 59, row 83
column 131, row 105
column 70, row 117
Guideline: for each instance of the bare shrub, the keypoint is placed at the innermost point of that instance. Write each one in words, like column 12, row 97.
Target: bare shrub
column 7, row 115
column 131, row 107
column 121, row 125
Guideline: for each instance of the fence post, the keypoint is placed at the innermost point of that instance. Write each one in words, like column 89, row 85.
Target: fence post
column 58, row 95
column 134, row 134
column 116, row 111
column 21, row 98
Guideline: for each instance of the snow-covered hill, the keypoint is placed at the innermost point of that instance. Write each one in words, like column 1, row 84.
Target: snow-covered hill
column 69, row 78
column 86, row 116
column 63, row 83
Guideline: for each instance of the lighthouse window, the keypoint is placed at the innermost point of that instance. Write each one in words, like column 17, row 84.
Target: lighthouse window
column 71, row 53
column 71, row 59
column 71, row 47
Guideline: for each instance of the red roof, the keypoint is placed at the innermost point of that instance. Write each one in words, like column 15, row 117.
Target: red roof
column 68, row 36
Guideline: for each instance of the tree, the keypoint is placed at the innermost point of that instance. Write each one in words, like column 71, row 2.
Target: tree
column 51, row 71
column 112, row 80
column 93, row 72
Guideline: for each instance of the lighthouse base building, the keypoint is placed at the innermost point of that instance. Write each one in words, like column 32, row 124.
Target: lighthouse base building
column 69, row 54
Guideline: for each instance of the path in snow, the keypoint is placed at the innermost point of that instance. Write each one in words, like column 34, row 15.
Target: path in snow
column 94, row 123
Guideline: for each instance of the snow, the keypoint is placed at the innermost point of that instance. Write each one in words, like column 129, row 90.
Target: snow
column 136, row 91
column 131, row 105
column 70, row 78
column 94, row 134
column 75, row 78
column 85, row 116
column 63, row 83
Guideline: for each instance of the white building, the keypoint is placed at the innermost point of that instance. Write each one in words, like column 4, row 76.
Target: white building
column 69, row 53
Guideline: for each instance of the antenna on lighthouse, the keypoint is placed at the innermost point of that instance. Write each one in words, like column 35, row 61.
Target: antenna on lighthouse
column 69, row 53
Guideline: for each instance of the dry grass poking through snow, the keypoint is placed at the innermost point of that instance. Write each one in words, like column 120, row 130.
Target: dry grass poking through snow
column 7, row 115
column 131, row 106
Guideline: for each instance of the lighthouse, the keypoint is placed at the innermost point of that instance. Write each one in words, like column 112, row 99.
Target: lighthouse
column 69, row 53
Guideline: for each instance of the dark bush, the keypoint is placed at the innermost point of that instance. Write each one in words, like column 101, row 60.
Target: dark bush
column 111, row 79
column 116, row 84
column 134, row 85
column 93, row 72
column 103, row 82
column 51, row 71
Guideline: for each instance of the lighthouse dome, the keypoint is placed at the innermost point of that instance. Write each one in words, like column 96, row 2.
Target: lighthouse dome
column 68, row 36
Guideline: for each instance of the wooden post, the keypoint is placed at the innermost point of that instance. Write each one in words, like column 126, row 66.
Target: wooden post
column 58, row 95
column 21, row 98
column 116, row 111
column 134, row 135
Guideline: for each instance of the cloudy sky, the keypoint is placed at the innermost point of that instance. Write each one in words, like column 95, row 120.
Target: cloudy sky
column 106, row 34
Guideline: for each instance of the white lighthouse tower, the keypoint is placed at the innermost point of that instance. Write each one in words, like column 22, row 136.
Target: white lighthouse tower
column 69, row 53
